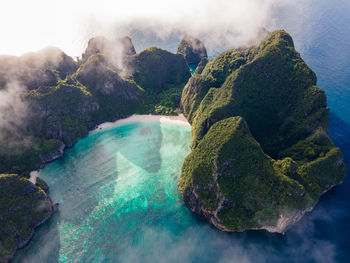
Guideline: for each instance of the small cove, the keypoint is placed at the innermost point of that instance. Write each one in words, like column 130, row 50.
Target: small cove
column 117, row 190
column 177, row 235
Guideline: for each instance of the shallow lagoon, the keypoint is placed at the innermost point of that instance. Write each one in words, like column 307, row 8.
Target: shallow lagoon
column 119, row 203
column 322, row 35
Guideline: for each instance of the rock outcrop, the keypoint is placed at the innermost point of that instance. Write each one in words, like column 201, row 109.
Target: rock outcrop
column 261, row 155
column 113, row 49
column 62, row 110
column 192, row 49
column 155, row 69
column 201, row 66
column 23, row 207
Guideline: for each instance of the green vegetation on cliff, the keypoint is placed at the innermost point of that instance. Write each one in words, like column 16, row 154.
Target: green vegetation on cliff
column 162, row 75
column 23, row 206
column 192, row 49
column 59, row 101
column 69, row 100
column 284, row 144
column 246, row 190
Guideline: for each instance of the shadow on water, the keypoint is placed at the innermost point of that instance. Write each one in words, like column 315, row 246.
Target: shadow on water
column 152, row 137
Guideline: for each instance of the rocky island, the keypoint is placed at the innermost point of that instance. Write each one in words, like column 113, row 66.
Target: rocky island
column 23, row 207
column 261, row 155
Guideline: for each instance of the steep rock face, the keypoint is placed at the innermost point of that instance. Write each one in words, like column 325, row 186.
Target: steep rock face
column 229, row 180
column 201, row 66
column 59, row 103
column 162, row 75
column 115, row 96
column 36, row 69
column 192, row 49
column 50, row 58
column 101, row 79
column 274, row 91
column 23, row 207
column 115, row 50
column 155, row 69
column 60, row 112
column 51, row 150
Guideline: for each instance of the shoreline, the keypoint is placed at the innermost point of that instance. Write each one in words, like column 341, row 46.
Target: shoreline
column 179, row 119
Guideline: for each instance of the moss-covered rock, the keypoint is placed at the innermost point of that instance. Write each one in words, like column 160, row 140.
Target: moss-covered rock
column 274, row 91
column 23, row 207
column 192, row 49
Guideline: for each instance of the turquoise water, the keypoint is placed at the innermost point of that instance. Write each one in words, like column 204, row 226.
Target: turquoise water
column 192, row 67
column 117, row 188
column 117, row 194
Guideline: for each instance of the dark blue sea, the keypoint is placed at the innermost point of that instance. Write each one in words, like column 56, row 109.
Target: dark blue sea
column 117, row 188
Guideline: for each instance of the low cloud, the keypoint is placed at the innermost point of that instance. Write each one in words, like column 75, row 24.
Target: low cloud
column 220, row 24
column 13, row 113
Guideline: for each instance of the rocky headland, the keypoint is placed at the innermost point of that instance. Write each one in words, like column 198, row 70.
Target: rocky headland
column 261, row 154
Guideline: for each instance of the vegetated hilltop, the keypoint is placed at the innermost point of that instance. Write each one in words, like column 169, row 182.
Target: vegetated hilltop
column 52, row 101
column 192, row 49
column 261, row 155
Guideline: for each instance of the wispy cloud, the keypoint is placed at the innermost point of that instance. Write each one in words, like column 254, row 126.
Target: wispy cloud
column 69, row 24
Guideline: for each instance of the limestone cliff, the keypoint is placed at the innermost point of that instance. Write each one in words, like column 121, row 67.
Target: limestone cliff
column 23, row 207
column 261, row 155
column 192, row 49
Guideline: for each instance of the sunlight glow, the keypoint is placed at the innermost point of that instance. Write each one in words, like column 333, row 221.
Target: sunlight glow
column 33, row 25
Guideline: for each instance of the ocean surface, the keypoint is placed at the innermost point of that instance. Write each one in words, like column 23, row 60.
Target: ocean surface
column 117, row 187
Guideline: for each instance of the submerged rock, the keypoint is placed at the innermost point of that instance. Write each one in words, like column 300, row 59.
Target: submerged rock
column 261, row 155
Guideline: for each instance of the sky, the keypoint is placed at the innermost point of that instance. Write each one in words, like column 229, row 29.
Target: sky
column 68, row 24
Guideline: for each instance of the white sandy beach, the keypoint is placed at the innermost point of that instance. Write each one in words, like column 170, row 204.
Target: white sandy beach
column 180, row 119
